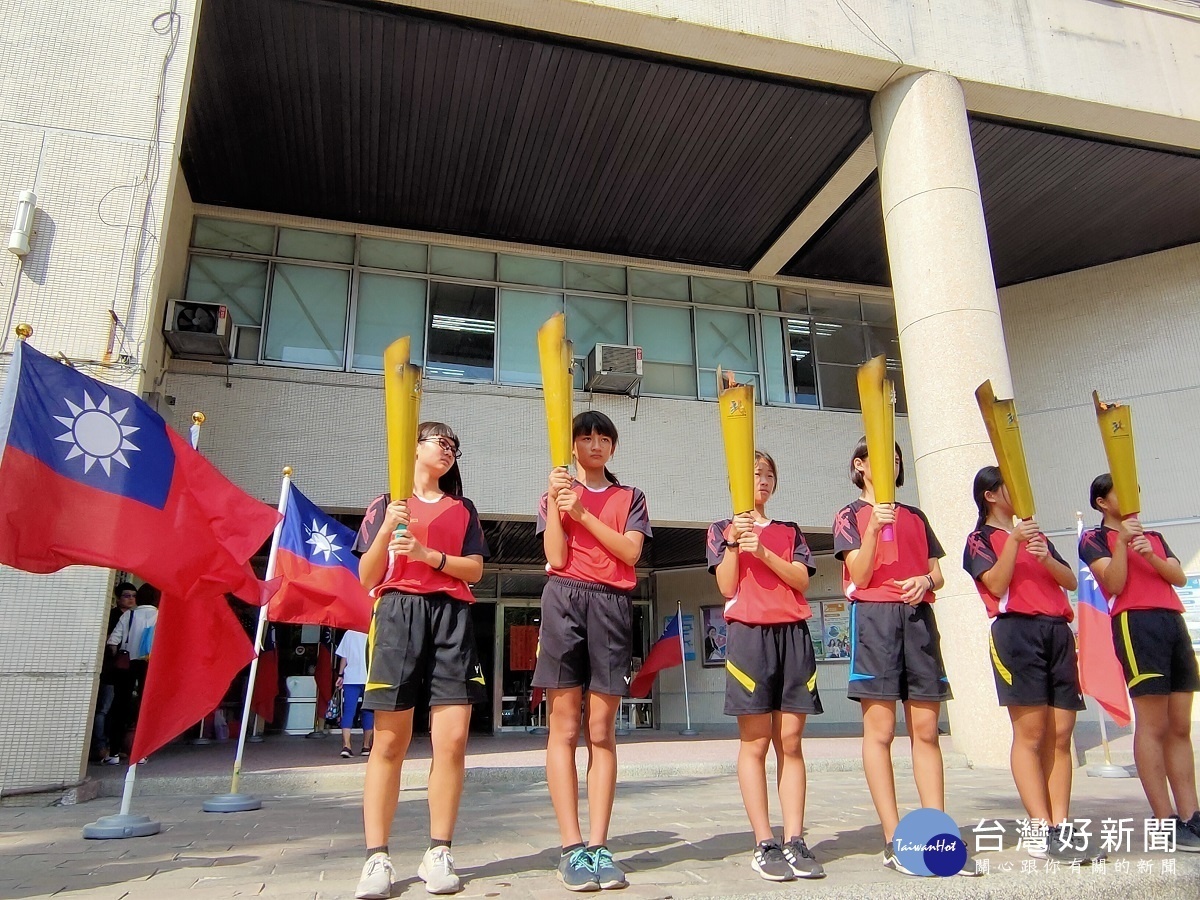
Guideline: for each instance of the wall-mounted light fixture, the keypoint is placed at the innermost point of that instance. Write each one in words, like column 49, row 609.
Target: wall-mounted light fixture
column 18, row 241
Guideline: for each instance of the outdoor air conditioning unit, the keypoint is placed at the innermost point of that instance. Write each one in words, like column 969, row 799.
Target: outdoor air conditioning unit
column 614, row 369
column 198, row 330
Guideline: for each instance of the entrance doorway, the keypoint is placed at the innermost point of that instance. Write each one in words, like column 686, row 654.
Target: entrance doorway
column 517, row 623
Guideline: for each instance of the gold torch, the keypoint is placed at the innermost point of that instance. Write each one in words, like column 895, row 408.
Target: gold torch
column 555, row 356
column 1116, row 431
column 736, row 405
column 878, row 400
column 1004, row 431
column 402, row 404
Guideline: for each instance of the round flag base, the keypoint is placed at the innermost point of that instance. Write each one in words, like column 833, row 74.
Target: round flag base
column 200, row 742
column 255, row 739
column 537, row 729
column 689, row 732
column 229, row 803
column 110, row 828
column 1108, row 770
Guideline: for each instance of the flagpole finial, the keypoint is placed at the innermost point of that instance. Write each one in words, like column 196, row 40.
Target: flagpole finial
column 24, row 331
column 287, row 471
column 198, row 418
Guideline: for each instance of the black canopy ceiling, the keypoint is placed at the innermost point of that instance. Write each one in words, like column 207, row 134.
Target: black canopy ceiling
column 369, row 113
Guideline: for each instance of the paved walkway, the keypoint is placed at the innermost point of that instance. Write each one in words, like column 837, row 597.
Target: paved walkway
column 683, row 836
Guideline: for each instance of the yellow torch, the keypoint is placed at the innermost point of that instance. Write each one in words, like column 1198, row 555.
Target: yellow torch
column 736, row 405
column 1116, row 431
column 555, row 356
column 402, row 404
column 1004, row 431
column 878, row 400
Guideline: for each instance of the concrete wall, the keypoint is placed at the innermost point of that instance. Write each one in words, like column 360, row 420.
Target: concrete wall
column 78, row 85
column 1108, row 66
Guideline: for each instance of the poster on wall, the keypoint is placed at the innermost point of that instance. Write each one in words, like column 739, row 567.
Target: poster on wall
column 816, row 629
column 835, row 633
column 712, row 623
column 689, row 638
column 1189, row 594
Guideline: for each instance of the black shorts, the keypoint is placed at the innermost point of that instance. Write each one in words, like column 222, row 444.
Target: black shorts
column 586, row 638
column 1033, row 659
column 770, row 668
column 419, row 641
column 1156, row 652
column 895, row 653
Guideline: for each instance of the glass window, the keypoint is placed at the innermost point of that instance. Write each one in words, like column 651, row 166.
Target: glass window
column 523, row 270
column 237, row 237
column 388, row 308
column 245, row 343
column 839, row 387
column 793, row 301
column 316, row 245
column 592, row 321
column 522, row 313
column 775, row 359
column 840, row 342
column 665, row 334
column 801, row 362
column 462, row 331
column 400, row 255
column 719, row 291
column 725, row 339
column 239, row 284
column 660, row 285
column 881, row 310
column 462, row 263
column 766, row 296
column 788, row 358
column 600, row 279
column 834, row 306
column 307, row 319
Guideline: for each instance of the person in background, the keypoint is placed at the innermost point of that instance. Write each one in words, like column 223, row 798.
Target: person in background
column 129, row 643
column 125, row 596
column 352, row 679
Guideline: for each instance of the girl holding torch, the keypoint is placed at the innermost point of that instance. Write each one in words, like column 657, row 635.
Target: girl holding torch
column 1023, row 583
column 1138, row 573
column 421, row 639
column 895, row 651
column 762, row 568
column 592, row 529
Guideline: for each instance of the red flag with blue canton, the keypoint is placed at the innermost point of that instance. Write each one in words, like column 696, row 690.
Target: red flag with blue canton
column 666, row 653
column 319, row 570
column 91, row 475
column 1100, row 674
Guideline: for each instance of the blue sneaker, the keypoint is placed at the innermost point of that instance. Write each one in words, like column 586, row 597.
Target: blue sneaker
column 608, row 873
column 577, row 870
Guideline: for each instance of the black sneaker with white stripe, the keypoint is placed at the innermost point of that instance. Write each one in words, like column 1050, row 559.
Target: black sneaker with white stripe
column 801, row 859
column 769, row 862
column 893, row 862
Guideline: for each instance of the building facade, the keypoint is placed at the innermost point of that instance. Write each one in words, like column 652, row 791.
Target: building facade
column 978, row 190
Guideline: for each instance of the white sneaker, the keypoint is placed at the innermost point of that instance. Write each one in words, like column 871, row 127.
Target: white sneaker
column 437, row 871
column 377, row 876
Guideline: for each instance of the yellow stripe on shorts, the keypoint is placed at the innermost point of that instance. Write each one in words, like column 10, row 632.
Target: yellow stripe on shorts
column 742, row 678
column 1138, row 678
column 812, row 683
column 1000, row 667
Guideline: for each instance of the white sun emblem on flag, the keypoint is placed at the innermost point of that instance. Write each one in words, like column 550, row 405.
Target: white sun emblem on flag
column 96, row 433
column 322, row 541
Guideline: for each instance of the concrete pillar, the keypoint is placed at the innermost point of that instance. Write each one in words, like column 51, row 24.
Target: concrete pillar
column 951, row 340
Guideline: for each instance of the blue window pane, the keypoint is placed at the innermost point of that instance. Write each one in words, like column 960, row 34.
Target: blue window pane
column 600, row 279
column 522, row 313
column 239, row 284
column 236, row 237
column 525, row 270
column 316, row 245
column 665, row 334
column 462, row 263
column 307, row 319
column 659, row 285
column 388, row 308
column 400, row 255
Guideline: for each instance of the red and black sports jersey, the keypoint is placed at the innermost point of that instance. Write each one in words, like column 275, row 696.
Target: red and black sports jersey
column 449, row 524
column 906, row 557
column 621, row 508
column 1032, row 591
column 762, row 597
column 1144, row 587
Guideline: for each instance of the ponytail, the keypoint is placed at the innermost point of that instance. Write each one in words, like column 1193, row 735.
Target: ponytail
column 610, row 476
column 986, row 479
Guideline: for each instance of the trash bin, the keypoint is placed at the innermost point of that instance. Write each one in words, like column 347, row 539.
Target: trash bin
column 301, row 704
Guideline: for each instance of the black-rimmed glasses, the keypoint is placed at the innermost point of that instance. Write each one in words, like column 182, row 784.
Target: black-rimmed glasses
column 447, row 445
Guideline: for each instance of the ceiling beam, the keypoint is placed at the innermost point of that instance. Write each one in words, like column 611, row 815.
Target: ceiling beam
column 829, row 199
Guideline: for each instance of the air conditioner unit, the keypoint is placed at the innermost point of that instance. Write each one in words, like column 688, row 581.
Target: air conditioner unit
column 198, row 330
column 614, row 368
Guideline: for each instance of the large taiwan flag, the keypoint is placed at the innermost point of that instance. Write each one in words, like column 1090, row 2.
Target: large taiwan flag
column 91, row 475
column 1100, row 674
column 319, row 570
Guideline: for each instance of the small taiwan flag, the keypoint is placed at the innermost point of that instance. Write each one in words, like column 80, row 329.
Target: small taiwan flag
column 319, row 570
column 666, row 653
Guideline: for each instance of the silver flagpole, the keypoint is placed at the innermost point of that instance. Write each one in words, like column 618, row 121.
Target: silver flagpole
column 198, row 419
column 689, row 731
column 1105, row 769
column 234, row 801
